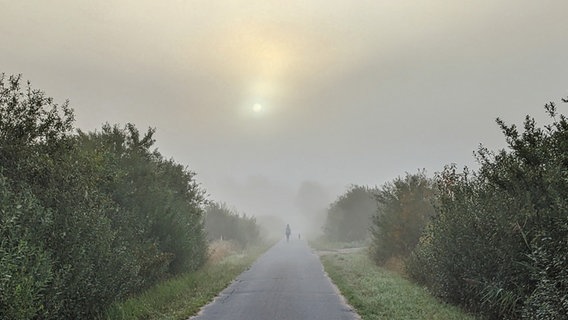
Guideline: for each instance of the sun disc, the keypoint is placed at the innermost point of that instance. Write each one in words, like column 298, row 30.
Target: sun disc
column 257, row 107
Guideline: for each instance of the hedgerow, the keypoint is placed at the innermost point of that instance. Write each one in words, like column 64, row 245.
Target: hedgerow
column 86, row 219
column 498, row 243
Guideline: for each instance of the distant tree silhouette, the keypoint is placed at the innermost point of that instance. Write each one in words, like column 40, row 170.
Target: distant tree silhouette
column 349, row 217
column 221, row 222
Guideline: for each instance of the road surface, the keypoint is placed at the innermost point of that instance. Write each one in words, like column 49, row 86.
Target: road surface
column 286, row 283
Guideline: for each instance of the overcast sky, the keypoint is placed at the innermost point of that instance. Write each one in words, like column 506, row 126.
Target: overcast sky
column 266, row 98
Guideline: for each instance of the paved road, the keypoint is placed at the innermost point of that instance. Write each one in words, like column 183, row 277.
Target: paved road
column 286, row 283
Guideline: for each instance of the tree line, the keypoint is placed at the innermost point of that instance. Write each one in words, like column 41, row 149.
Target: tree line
column 88, row 218
column 494, row 240
column 224, row 223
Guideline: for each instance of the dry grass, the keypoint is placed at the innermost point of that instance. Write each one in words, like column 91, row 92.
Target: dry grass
column 396, row 265
column 220, row 249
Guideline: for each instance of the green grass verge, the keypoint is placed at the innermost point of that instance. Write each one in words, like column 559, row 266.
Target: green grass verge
column 322, row 244
column 377, row 293
column 182, row 297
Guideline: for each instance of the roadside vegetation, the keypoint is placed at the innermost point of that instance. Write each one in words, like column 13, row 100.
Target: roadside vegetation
column 499, row 242
column 224, row 223
column 88, row 219
column 405, row 206
column 492, row 241
column 377, row 293
column 183, row 296
column 97, row 220
column 321, row 244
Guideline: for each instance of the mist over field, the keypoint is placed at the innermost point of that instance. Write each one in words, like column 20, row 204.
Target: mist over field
column 345, row 93
column 141, row 138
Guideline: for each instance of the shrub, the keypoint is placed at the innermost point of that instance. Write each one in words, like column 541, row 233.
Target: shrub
column 404, row 209
column 25, row 266
column 87, row 219
column 497, row 244
column 160, row 204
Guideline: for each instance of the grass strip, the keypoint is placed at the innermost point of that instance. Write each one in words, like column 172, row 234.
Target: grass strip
column 377, row 293
column 321, row 244
column 182, row 297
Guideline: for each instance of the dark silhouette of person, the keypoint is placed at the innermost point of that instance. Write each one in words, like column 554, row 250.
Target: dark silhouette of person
column 288, row 231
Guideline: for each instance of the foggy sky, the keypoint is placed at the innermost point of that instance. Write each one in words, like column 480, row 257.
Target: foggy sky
column 353, row 92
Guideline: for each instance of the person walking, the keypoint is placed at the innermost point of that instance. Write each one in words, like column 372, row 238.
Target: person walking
column 288, row 232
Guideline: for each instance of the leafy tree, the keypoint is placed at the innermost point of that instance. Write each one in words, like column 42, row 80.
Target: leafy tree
column 349, row 217
column 404, row 210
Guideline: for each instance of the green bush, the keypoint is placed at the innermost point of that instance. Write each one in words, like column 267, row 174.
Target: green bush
column 497, row 244
column 38, row 154
column 471, row 254
column 404, row 209
column 97, row 216
column 161, row 205
column 25, row 266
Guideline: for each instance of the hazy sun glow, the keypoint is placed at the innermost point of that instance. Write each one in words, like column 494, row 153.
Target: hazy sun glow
column 257, row 107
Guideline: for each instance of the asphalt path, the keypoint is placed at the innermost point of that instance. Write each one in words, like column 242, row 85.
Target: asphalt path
column 285, row 283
